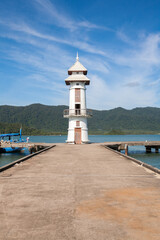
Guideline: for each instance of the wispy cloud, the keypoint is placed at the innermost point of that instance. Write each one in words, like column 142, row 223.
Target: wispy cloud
column 40, row 61
column 132, row 84
column 122, row 74
column 145, row 53
column 96, row 64
column 102, row 96
column 64, row 21
column 89, row 25
column 129, row 84
column 154, row 83
column 131, row 81
column 78, row 39
column 123, row 37
column 59, row 18
column 25, row 28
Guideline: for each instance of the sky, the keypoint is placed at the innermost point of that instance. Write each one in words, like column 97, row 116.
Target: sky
column 118, row 41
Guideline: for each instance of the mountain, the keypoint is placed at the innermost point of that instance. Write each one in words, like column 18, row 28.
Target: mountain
column 41, row 119
column 44, row 119
column 137, row 120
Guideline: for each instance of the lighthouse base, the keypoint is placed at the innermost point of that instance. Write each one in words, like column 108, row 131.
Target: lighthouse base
column 77, row 143
column 77, row 134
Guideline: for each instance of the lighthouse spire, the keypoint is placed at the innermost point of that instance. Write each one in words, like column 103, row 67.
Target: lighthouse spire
column 77, row 58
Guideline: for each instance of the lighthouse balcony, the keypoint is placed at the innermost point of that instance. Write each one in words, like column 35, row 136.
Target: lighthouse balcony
column 67, row 113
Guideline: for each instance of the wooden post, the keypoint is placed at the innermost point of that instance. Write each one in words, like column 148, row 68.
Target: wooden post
column 126, row 149
column 36, row 148
column 148, row 149
column 30, row 150
column 156, row 150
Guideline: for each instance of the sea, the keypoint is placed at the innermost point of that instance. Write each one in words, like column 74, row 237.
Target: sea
column 137, row 152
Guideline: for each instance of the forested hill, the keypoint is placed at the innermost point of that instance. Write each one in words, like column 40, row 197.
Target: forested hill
column 42, row 119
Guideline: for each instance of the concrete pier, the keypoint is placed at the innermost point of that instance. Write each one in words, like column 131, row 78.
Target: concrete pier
column 32, row 147
column 149, row 145
column 82, row 192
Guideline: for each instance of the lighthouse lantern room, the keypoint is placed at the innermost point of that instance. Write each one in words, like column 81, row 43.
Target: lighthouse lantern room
column 77, row 112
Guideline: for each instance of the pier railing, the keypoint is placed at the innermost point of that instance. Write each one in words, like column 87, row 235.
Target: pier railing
column 77, row 112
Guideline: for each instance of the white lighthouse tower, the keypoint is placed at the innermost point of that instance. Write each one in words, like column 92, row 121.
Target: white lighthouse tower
column 77, row 112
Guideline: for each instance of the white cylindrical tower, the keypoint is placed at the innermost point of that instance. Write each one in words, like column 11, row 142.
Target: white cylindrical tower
column 77, row 112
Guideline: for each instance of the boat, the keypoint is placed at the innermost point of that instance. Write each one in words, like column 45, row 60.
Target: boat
column 8, row 140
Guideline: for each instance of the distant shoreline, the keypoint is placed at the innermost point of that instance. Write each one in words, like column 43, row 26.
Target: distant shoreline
column 92, row 134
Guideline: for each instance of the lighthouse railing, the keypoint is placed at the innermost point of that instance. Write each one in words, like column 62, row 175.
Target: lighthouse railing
column 77, row 112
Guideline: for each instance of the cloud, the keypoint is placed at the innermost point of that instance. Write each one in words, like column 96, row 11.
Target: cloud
column 132, row 77
column 124, row 75
column 145, row 53
column 132, row 84
column 25, row 28
column 124, row 38
column 64, row 21
column 40, row 61
column 60, row 19
column 150, row 50
column 89, row 25
column 154, row 83
column 38, row 78
column 96, row 64
column 138, row 64
column 126, row 87
column 101, row 95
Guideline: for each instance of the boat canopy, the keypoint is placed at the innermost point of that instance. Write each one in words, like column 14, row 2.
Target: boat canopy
column 9, row 135
column 12, row 134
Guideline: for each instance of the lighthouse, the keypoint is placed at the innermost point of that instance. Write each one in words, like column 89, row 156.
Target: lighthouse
column 77, row 112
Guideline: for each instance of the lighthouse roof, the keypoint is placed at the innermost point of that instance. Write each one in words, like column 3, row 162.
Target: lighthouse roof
column 77, row 67
column 77, row 78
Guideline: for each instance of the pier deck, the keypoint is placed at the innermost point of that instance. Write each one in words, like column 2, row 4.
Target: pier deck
column 80, row 192
column 124, row 145
column 32, row 147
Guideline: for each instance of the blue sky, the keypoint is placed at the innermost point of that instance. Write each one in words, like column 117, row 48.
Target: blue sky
column 118, row 41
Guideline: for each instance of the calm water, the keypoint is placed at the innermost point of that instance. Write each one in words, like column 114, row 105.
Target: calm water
column 137, row 152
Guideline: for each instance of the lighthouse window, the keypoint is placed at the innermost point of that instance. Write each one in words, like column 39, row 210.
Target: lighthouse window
column 77, row 84
column 77, row 109
column 77, row 94
column 77, row 123
column 77, row 72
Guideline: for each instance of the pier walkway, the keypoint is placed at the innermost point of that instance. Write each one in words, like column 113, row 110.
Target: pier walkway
column 79, row 192
column 124, row 145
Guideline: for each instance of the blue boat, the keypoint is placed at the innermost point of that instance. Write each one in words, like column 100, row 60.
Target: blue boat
column 8, row 138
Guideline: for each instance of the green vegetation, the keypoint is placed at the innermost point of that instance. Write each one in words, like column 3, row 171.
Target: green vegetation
column 38, row 119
